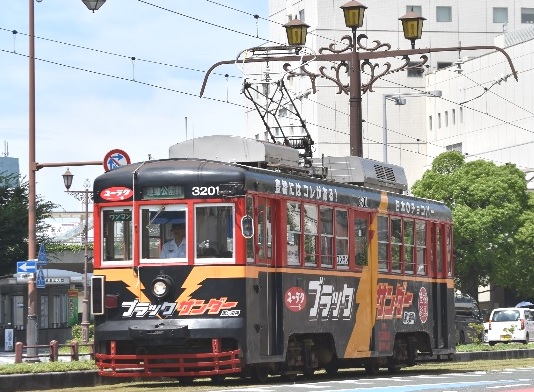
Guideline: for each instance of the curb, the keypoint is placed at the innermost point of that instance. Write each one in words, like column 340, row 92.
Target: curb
column 90, row 378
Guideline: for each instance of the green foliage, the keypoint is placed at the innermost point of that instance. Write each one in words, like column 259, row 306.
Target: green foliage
column 77, row 332
column 493, row 217
column 14, row 205
column 46, row 367
column 478, row 332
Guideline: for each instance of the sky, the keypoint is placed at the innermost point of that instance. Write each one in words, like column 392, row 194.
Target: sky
column 92, row 97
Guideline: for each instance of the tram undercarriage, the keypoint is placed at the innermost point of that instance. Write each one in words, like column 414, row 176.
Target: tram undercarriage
column 219, row 358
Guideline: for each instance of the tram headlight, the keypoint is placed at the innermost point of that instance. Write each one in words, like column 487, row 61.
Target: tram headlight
column 162, row 286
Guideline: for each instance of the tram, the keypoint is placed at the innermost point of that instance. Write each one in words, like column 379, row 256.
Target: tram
column 285, row 270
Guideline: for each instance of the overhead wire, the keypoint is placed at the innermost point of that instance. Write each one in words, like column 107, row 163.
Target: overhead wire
column 196, row 70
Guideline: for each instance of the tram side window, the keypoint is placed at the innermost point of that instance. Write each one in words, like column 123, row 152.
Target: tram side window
column 420, row 229
column 310, row 234
column 342, row 239
column 409, row 243
column 439, row 250
column 396, row 244
column 449, row 251
column 327, row 236
column 383, row 242
column 117, row 234
column 360, row 241
column 214, row 231
column 294, row 233
column 250, row 241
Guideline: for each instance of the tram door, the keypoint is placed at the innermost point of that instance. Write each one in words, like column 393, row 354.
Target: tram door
column 269, row 287
column 439, row 287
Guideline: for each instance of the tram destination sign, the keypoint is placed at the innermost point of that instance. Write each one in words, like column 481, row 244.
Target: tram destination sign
column 163, row 192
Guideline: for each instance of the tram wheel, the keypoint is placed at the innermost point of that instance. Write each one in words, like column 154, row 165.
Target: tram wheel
column 290, row 376
column 393, row 369
column 218, row 379
column 332, row 368
column 185, row 381
column 260, row 373
column 372, row 369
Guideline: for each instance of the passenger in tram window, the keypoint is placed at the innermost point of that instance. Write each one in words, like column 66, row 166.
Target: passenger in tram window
column 177, row 246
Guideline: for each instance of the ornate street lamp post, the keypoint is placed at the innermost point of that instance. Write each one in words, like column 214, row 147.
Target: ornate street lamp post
column 67, row 180
column 353, row 58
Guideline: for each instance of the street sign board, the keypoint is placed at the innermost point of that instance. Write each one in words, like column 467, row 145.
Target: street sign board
column 24, row 267
column 40, row 283
column 115, row 158
column 41, row 258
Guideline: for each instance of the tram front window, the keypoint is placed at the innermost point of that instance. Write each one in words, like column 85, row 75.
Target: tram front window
column 164, row 232
column 117, row 234
column 214, row 225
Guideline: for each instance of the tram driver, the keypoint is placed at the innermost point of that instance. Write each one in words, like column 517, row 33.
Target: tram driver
column 177, row 246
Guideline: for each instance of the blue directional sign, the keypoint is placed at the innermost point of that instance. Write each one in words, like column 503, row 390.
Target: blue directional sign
column 25, row 267
column 41, row 258
column 40, row 283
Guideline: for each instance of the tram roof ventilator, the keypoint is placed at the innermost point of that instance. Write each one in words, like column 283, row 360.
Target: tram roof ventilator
column 249, row 152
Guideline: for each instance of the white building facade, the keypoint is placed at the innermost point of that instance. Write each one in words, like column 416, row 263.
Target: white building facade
column 425, row 126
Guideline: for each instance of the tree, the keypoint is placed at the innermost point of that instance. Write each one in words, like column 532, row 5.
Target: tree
column 14, row 201
column 487, row 203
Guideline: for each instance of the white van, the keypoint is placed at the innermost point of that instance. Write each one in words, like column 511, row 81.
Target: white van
column 511, row 325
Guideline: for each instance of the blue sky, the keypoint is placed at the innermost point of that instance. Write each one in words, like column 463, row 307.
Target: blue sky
column 91, row 97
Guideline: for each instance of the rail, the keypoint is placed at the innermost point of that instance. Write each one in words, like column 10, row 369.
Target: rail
column 52, row 351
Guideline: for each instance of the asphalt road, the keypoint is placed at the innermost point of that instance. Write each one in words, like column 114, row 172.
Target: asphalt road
column 480, row 381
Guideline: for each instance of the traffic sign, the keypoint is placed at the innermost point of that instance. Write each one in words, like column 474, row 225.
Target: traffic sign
column 40, row 283
column 115, row 158
column 41, row 258
column 24, row 267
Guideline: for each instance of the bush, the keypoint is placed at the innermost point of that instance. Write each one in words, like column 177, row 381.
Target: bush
column 77, row 332
column 478, row 329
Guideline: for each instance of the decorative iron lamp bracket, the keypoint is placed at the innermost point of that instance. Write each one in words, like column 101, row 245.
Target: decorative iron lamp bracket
column 346, row 55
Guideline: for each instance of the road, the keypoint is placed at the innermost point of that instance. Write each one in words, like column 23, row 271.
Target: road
column 520, row 380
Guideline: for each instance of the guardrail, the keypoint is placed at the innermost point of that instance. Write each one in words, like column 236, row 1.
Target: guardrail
column 53, row 354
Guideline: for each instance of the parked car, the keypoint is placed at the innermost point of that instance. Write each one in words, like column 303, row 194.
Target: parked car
column 467, row 315
column 511, row 325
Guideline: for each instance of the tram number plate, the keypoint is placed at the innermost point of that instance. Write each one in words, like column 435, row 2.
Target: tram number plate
column 506, row 337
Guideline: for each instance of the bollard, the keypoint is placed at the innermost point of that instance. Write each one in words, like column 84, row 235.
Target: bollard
column 74, row 350
column 18, row 352
column 92, row 350
column 54, row 351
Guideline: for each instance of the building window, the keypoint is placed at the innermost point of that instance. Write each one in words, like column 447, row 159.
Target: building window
column 446, row 119
column 414, row 8
column 430, row 123
column 441, row 65
column 453, row 116
column 461, row 115
column 439, row 120
column 413, row 71
column 527, row 15
column 454, row 147
column 500, row 15
column 301, row 15
column 443, row 14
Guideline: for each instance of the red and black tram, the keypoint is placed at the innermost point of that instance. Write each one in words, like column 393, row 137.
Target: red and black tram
column 284, row 271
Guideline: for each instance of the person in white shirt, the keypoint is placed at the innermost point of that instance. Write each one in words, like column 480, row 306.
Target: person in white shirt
column 176, row 246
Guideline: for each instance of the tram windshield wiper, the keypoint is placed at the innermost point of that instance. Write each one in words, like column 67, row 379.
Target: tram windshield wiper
column 155, row 216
